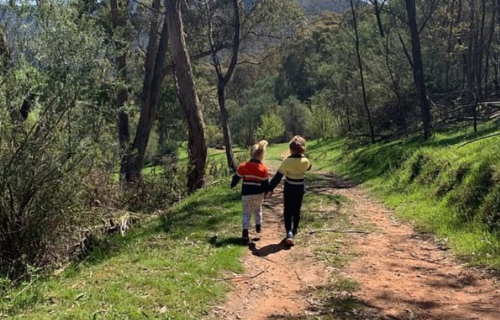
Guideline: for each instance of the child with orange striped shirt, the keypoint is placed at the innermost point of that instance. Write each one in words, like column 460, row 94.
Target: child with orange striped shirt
column 255, row 186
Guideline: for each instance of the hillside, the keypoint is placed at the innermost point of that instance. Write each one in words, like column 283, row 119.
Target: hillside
column 316, row 7
column 444, row 186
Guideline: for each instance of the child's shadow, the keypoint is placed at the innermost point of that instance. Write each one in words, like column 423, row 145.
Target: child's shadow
column 268, row 250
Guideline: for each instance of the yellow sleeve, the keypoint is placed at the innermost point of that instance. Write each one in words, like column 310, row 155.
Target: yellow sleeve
column 282, row 168
column 309, row 165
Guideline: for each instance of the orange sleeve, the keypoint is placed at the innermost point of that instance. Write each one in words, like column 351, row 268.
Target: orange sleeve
column 241, row 170
column 266, row 172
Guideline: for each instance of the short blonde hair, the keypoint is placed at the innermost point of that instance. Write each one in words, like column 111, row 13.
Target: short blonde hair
column 259, row 150
column 298, row 145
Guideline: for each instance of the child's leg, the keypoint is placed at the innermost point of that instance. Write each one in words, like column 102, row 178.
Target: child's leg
column 247, row 211
column 298, row 197
column 288, row 209
column 258, row 211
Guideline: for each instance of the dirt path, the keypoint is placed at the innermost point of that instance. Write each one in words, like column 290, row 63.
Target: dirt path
column 406, row 275
column 402, row 273
column 279, row 280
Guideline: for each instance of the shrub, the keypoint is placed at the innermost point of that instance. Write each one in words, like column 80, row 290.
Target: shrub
column 271, row 128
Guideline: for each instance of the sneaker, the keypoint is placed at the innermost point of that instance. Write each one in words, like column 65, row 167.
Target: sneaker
column 258, row 228
column 289, row 239
column 244, row 236
column 295, row 232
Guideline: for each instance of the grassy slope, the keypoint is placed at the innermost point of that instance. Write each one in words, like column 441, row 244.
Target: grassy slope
column 443, row 188
column 166, row 268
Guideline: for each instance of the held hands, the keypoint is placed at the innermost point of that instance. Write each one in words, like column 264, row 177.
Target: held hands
column 270, row 194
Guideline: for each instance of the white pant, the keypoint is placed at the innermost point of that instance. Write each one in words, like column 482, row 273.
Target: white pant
column 252, row 205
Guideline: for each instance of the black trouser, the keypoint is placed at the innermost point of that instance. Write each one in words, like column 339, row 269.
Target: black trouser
column 293, row 195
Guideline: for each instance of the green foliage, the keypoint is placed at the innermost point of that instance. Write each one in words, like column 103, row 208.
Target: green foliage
column 245, row 119
column 214, row 136
column 296, row 116
column 321, row 123
column 271, row 128
column 45, row 159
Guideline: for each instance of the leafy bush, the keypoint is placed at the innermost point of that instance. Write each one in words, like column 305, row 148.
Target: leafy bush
column 321, row 123
column 46, row 156
column 271, row 128
column 295, row 115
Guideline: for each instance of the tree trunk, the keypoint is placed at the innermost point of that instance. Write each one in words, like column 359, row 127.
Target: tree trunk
column 470, row 59
column 378, row 12
column 488, row 54
column 223, row 80
column 418, row 68
column 4, row 51
column 224, row 116
column 361, row 74
column 121, row 65
column 450, row 46
column 133, row 161
column 188, row 97
column 396, row 87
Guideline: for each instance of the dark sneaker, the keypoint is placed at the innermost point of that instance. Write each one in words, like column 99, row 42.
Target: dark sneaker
column 295, row 232
column 258, row 228
column 289, row 239
column 244, row 236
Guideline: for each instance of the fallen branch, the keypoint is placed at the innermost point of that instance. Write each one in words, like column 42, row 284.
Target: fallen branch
column 338, row 231
column 244, row 277
column 479, row 139
column 414, row 255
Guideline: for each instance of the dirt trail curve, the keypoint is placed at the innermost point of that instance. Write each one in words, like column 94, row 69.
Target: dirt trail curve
column 402, row 274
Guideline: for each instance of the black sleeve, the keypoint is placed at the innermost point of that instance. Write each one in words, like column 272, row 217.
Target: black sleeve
column 236, row 179
column 265, row 185
column 276, row 180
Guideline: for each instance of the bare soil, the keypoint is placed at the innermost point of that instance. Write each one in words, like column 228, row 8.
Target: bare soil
column 402, row 273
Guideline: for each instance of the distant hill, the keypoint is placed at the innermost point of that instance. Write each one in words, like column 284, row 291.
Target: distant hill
column 316, row 7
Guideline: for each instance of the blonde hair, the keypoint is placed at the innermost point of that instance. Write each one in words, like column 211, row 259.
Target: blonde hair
column 259, row 150
column 298, row 145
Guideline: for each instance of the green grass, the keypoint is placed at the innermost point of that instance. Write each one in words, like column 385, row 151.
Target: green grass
column 443, row 188
column 168, row 268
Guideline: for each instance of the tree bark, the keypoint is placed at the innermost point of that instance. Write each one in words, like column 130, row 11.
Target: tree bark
column 188, row 97
column 361, row 74
column 121, row 65
column 133, row 161
column 418, row 68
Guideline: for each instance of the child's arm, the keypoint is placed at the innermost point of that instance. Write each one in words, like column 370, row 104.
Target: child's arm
column 265, row 183
column 277, row 177
column 236, row 179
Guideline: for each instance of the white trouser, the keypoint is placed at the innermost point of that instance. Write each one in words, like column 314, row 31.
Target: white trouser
column 252, row 205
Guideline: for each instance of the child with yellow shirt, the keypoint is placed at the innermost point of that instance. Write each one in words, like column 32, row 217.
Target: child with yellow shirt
column 294, row 169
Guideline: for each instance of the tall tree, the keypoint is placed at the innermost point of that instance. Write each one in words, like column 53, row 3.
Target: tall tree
column 188, row 96
column 224, row 78
column 119, row 23
column 361, row 73
column 156, row 56
column 378, row 6
column 418, row 68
